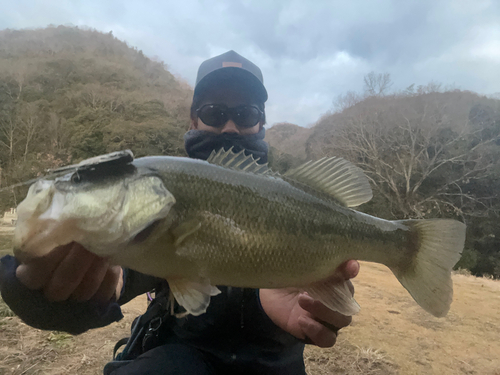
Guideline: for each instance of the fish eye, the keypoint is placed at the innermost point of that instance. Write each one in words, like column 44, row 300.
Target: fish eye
column 76, row 178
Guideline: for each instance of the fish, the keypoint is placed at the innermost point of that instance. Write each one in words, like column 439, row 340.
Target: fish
column 232, row 221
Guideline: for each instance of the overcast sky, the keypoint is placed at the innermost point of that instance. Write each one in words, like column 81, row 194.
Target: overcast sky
column 309, row 51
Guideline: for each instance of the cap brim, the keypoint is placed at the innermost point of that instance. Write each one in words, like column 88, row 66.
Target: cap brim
column 241, row 76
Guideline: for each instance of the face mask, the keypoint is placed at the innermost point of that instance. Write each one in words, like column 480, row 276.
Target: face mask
column 200, row 144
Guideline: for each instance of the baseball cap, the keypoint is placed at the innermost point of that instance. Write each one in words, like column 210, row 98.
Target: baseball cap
column 230, row 66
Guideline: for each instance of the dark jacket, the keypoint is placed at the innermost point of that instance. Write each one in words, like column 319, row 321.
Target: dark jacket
column 234, row 330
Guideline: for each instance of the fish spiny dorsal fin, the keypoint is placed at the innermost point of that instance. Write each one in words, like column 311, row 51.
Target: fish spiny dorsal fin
column 239, row 162
column 336, row 177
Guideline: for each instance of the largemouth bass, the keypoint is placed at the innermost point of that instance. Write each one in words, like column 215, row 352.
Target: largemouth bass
column 231, row 221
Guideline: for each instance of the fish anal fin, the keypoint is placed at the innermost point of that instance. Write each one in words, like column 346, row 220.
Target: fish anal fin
column 193, row 296
column 336, row 177
column 335, row 294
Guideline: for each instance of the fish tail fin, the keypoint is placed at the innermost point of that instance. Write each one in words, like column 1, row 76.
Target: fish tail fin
column 428, row 275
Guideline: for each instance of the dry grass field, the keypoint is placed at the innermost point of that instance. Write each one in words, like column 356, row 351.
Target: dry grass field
column 391, row 335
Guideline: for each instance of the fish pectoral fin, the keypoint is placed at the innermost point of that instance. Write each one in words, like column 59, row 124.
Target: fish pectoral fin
column 193, row 296
column 185, row 230
column 334, row 294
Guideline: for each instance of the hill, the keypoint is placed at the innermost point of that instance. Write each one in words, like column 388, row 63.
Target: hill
column 430, row 154
column 68, row 93
column 289, row 138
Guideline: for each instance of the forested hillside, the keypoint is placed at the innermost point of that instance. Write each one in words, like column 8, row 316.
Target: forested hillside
column 290, row 137
column 287, row 145
column 68, row 94
column 429, row 153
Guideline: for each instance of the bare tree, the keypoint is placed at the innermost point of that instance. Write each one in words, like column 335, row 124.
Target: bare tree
column 18, row 73
column 418, row 156
column 99, row 97
column 8, row 137
column 347, row 100
column 377, row 84
column 29, row 126
column 429, row 88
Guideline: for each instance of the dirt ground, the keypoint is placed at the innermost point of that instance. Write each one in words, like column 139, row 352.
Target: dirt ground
column 391, row 335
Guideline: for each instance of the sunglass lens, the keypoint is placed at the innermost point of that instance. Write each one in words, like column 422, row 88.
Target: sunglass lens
column 212, row 116
column 247, row 117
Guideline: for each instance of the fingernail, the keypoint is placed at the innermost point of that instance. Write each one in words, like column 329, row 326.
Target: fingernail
column 306, row 300
column 352, row 269
column 21, row 271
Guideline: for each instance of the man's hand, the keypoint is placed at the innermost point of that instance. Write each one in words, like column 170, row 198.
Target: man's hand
column 302, row 316
column 70, row 271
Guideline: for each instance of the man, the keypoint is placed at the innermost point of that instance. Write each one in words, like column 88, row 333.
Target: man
column 244, row 331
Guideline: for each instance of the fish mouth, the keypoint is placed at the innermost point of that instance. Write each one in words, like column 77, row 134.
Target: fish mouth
column 34, row 237
column 103, row 220
column 144, row 234
column 39, row 237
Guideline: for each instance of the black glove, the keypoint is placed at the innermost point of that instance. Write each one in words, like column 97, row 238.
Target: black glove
column 35, row 310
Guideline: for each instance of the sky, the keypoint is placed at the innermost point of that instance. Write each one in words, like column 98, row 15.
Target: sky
column 310, row 52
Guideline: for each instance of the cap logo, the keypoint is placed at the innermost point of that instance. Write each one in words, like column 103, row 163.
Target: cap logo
column 228, row 64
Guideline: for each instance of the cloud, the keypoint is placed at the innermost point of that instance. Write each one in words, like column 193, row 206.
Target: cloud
column 309, row 52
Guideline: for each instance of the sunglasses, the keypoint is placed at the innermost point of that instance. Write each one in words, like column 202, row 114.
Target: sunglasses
column 217, row 115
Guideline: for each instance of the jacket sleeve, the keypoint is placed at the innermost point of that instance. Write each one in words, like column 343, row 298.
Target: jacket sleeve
column 135, row 284
column 69, row 316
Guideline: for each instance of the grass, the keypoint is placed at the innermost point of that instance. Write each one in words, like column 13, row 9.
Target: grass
column 349, row 359
column 462, row 271
column 5, row 244
column 60, row 340
column 5, row 311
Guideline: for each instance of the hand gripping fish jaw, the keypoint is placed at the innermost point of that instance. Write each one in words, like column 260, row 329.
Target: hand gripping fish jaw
column 95, row 205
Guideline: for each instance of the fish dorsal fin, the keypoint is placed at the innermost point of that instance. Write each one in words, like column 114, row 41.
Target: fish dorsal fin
column 238, row 161
column 336, row 177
